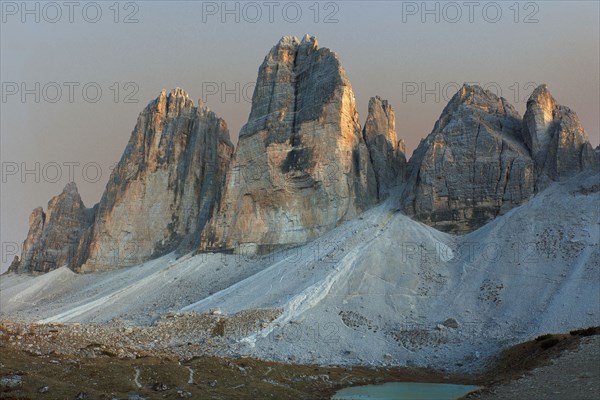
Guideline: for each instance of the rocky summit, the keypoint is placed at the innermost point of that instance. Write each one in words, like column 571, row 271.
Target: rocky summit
column 301, row 165
column 472, row 166
column 386, row 151
column 55, row 235
column 158, row 198
column 555, row 137
column 163, row 190
column 483, row 159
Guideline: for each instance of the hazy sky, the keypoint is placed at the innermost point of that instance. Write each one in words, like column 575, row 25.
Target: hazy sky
column 412, row 56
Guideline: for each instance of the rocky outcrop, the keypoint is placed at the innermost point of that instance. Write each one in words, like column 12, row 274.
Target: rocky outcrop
column 555, row 137
column 386, row 151
column 472, row 167
column 32, row 246
column 14, row 265
column 54, row 236
column 301, row 165
column 163, row 190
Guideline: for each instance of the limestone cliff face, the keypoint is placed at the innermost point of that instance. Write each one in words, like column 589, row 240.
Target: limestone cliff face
column 161, row 193
column 553, row 133
column 54, row 236
column 472, row 167
column 386, row 151
column 301, row 165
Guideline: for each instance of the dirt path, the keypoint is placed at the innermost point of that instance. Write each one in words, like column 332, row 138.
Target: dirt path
column 574, row 375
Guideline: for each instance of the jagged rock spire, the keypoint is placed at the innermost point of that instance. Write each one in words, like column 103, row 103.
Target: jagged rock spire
column 555, row 137
column 386, row 151
column 55, row 235
column 163, row 189
column 302, row 164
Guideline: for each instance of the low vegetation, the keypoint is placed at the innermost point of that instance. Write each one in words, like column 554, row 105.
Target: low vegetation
column 592, row 330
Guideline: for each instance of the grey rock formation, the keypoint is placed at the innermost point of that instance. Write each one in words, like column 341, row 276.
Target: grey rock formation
column 301, row 165
column 472, row 167
column 14, row 265
column 158, row 198
column 163, row 190
column 386, row 151
column 555, row 137
column 54, row 236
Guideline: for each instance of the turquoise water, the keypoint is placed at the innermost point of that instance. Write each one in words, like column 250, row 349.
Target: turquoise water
column 405, row 391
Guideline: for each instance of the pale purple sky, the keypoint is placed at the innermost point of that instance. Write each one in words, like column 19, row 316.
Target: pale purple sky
column 414, row 57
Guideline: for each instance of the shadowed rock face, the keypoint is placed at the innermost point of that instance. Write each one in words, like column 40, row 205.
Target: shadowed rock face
column 386, row 152
column 54, row 236
column 301, row 165
column 472, row 167
column 553, row 133
column 163, row 190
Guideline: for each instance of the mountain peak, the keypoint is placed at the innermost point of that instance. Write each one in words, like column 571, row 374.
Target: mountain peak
column 304, row 132
column 71, row 189
column 540, row 92
column 481, row 103
column 287, row 41
column 475, row 95
column 178, row 92
column 172, row 104
column 308, row 43
column 472, row 167
column 386, row 152
column 555, row 137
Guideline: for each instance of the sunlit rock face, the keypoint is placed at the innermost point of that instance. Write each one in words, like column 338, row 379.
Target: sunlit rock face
column 163, row 190
column 55, row 235
column 473, row 166
column 553, row 133
column 386, row 151
column 301, row 166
